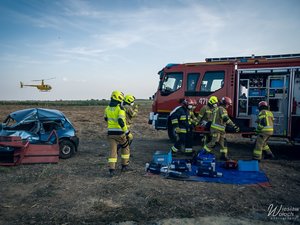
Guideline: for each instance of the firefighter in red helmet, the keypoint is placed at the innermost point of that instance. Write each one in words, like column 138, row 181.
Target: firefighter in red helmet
column 220, row 120
column 181, row 122
column 264, row 131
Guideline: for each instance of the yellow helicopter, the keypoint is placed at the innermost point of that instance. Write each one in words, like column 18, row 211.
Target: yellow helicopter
column 42, row 87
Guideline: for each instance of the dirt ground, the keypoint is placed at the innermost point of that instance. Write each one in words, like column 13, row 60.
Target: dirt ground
column 79, row 191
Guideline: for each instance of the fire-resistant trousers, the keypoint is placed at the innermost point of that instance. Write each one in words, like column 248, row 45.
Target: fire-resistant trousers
column 261, row 145
column 217, row 137
column 114, row 141
column 184, row 140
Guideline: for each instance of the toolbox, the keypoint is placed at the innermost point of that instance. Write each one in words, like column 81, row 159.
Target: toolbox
column 162, row 158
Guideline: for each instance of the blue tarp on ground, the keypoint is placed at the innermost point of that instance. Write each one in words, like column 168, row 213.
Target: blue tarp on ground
column 230, row 176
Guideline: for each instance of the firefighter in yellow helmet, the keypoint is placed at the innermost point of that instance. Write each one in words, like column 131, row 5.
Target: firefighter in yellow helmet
column 205, row 116
column 131, row 110
column 264, row 132
column 219, row 122
column 118, row 132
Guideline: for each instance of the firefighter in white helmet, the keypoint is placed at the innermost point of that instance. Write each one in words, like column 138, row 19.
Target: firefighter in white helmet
column 180, row 119
column 205, row 116
column 131, row 110
column 118, row 132
column 264, row 130
column 219, row 122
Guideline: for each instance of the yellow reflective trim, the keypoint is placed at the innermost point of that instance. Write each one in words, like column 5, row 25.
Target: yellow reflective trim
column 207, row 148
column 257, row 152
column 112, row 160
column 174, row 149
column 188, row 150
column 127, row 156
column 174, row 121
column 224, row 150
column 218, row 127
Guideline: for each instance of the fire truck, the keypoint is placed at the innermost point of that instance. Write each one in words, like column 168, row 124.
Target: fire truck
column 247, row 80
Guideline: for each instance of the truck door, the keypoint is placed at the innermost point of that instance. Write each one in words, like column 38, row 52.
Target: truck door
column 295, row 105
column 278, row 98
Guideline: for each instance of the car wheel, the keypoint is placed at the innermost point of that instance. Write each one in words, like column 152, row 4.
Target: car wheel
column 66, row 149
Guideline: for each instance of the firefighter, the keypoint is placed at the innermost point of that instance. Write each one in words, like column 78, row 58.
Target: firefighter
column 180, row 119
column 220, row 120
column 118, row 133
column 131, row 110
column 264, row 131
column 205, row 116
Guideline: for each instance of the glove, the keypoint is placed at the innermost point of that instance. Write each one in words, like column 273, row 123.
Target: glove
column 129, row 136
column 203, row 123
column 177, row 130
column 236, row 128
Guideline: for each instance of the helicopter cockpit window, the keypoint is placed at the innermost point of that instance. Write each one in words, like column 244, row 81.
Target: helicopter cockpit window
column 212, row 81
column 171, row 83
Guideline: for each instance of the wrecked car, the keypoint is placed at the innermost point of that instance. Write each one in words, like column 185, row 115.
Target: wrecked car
column 35, row 125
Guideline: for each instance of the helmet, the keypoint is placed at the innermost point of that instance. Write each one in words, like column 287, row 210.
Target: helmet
column 262, row 103
column 213, row 100
column 189, row 103
column 117, row 95
column 129, row 99
column 226, row 101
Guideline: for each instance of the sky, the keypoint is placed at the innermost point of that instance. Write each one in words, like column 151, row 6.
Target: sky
column 92, row 47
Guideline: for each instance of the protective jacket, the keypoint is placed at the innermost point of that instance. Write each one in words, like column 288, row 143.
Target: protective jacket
column 180, row 118
column 205, row 114
column 265, row 122
column 220, row 120
column 116, row 118
column 131, row 112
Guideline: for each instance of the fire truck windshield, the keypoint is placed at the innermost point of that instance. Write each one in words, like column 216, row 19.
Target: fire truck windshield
column 171, row 83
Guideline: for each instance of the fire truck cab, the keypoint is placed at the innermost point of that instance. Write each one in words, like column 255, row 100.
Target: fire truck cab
column 246, row 80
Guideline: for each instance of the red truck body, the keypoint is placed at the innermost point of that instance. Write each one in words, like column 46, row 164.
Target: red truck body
column 246, row 80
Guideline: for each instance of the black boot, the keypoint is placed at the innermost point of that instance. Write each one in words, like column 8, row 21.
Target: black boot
column 125, row 168
column 112, row 172
column 268, row 155
column 224, row 157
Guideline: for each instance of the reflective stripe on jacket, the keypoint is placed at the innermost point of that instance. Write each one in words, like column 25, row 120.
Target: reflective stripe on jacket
column 220, row 119
column 116, row 120
column 180, row 118
column 265, row 122
column 205, row 114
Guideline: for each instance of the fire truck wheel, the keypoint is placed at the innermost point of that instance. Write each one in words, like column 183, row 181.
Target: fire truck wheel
column 171, row 132
column 66, row 149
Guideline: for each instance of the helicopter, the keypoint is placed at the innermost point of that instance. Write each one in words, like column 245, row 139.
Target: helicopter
column 42, row 87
